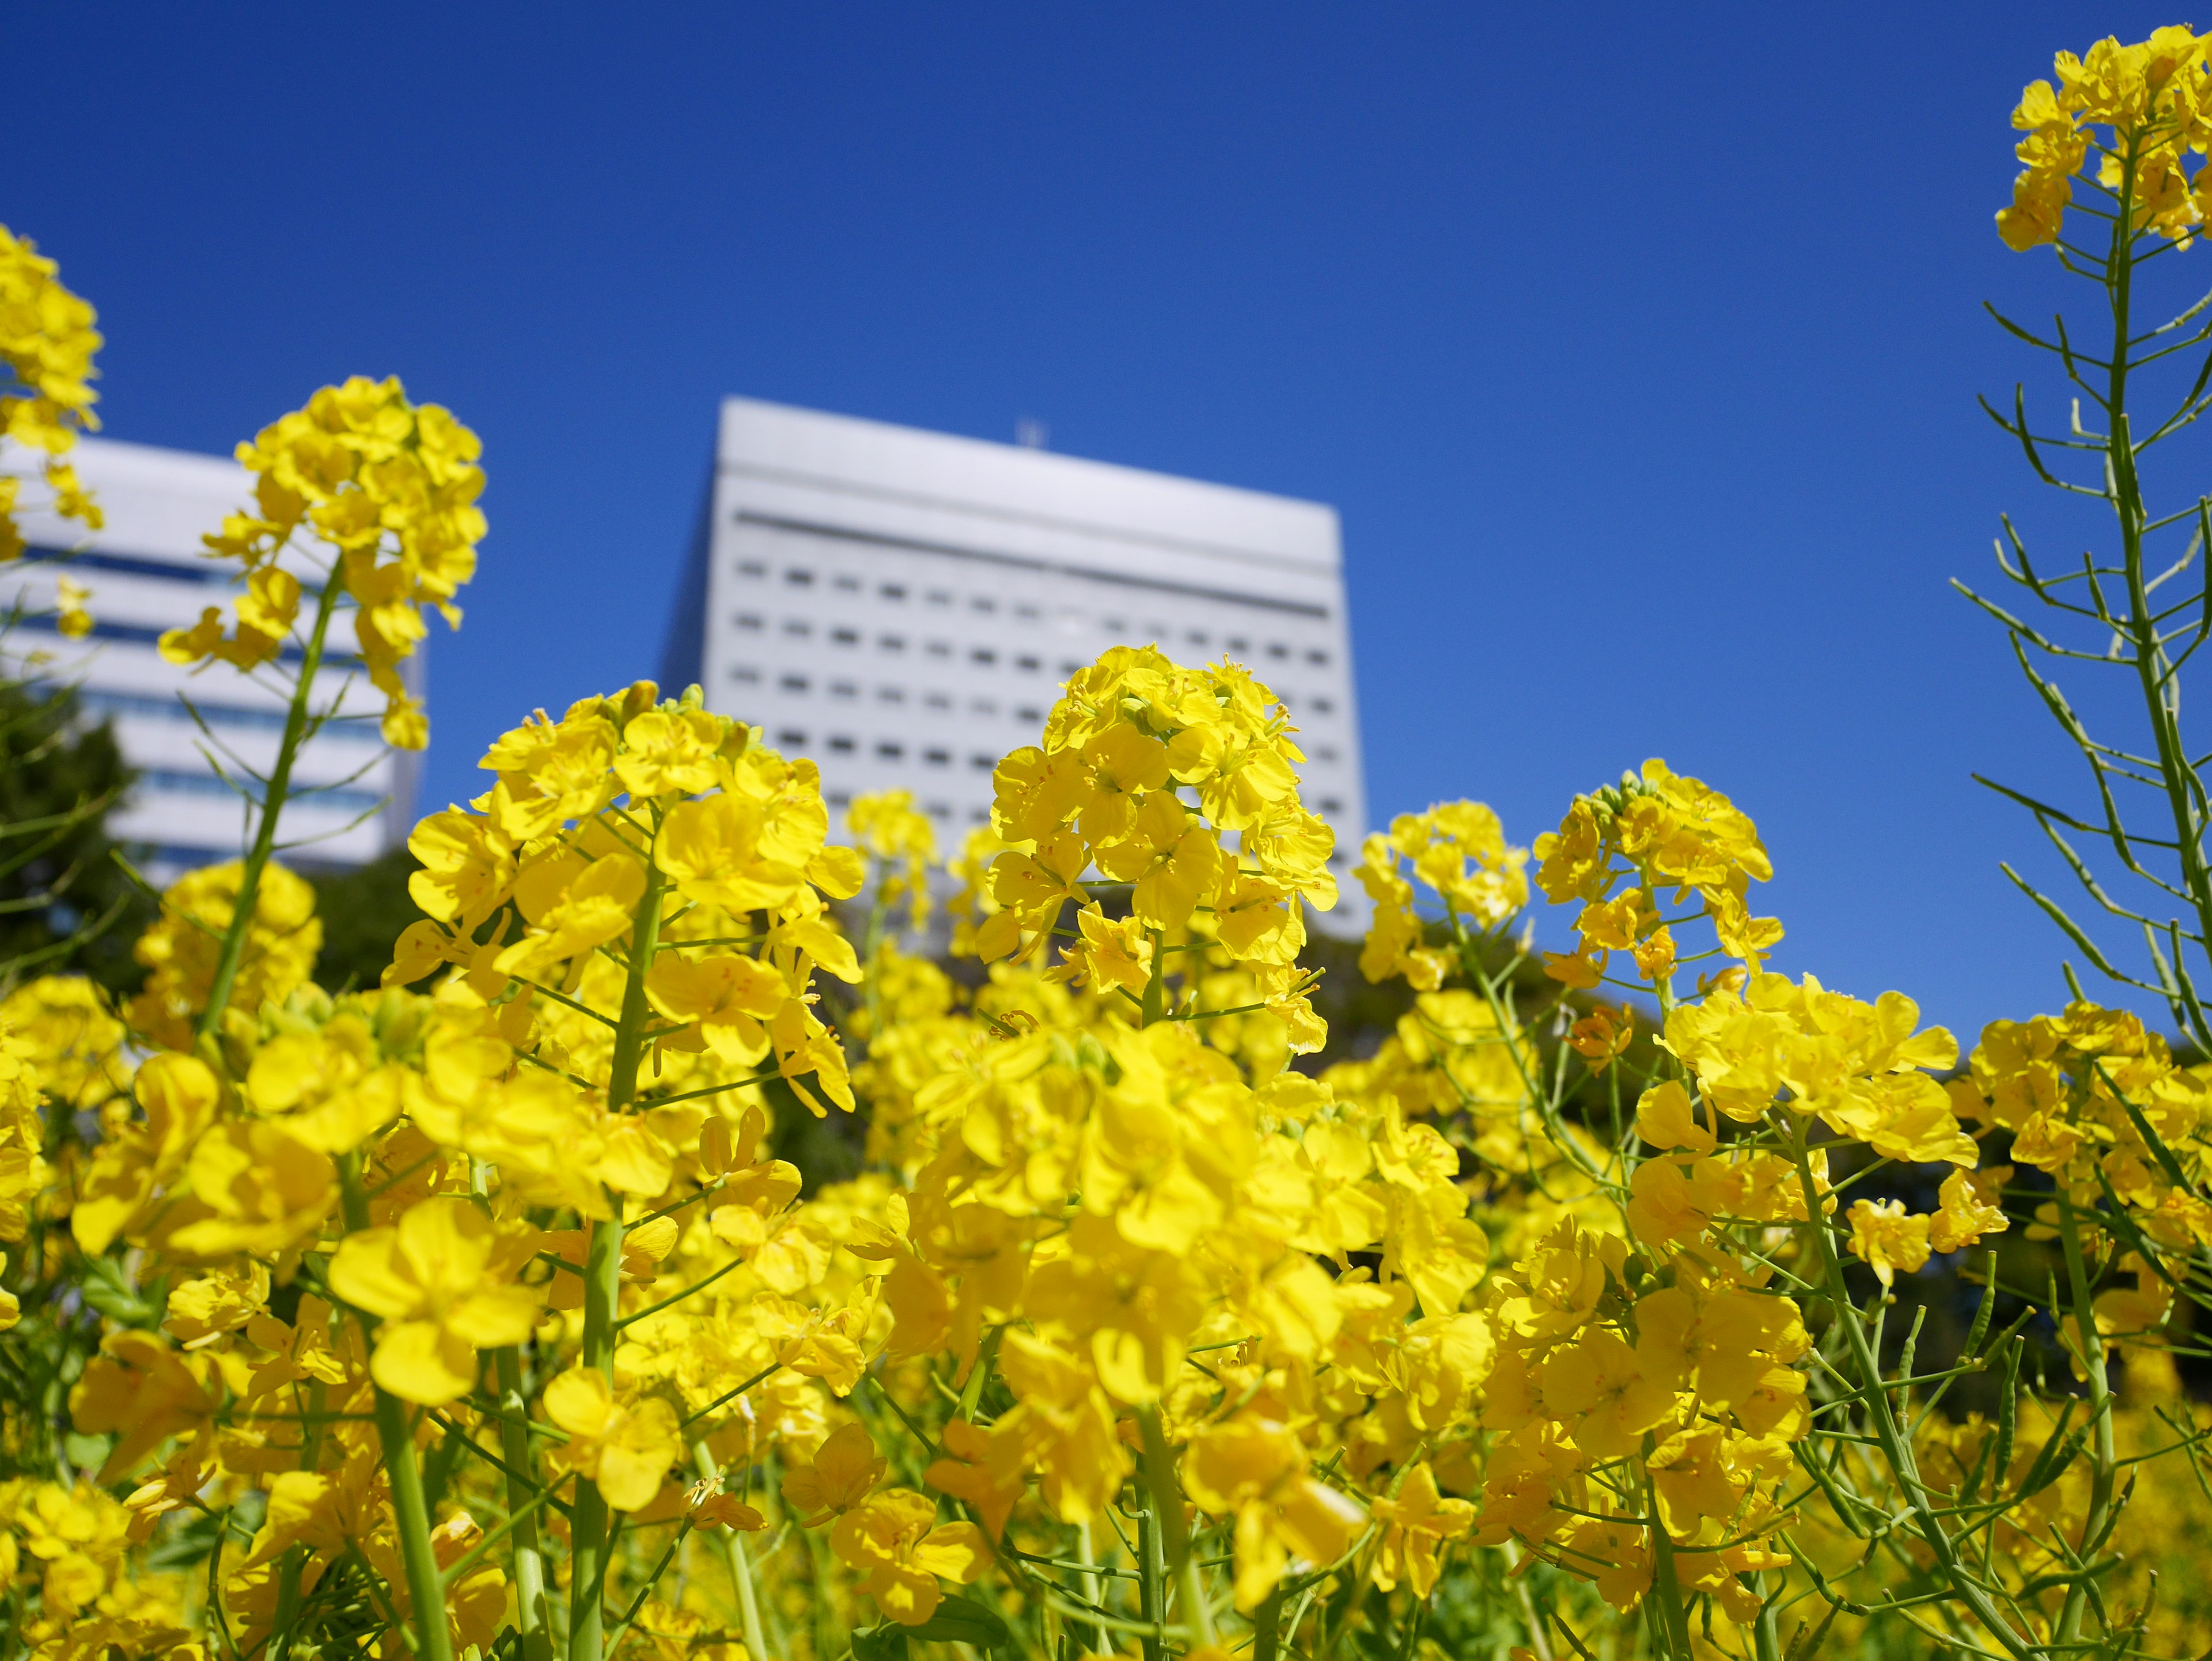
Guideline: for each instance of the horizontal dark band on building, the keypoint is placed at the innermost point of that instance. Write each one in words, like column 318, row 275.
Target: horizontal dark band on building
column 1029, row 562
column 195, row 571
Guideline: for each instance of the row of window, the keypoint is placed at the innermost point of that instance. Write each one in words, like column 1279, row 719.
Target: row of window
column 361, row 727
column 1026, row 714
column 801, row 685
column 207, row 784
column 986, row 656
column 798, row 577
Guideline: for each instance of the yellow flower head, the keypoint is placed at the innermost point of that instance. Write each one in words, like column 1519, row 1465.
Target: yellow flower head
column 2150, row 100
column 441, row 1280
column 389, row 488
column 46, row 344
column 182, row 947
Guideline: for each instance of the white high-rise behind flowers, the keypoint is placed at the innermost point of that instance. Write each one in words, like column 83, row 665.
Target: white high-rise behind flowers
column 904, row 605
column 147, row 573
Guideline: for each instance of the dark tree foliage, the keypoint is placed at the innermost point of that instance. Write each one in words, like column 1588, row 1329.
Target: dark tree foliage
column 364, row 911
column 65, row 905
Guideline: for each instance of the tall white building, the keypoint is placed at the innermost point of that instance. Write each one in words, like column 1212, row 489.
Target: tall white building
column 904, row 605
column 148, row 574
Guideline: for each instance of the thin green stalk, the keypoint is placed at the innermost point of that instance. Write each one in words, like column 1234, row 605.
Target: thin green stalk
column 1093, row 1593
column 410, row 1515
column 531, row 1619
column 591, row 1546
column 1152, row 1578
column 1153, row 1005
column 1903, row 1468
column 1672, row 1617
column 272, row 805
column 741, row 1569
column 2100, row 1412
column 283, row 1628
column 1167, row 1504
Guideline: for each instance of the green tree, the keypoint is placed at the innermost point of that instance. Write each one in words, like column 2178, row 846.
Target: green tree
column 65, row 904
column 364, row 909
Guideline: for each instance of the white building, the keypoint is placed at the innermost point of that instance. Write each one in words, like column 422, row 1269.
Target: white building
column 148, row 573
column 904, row 605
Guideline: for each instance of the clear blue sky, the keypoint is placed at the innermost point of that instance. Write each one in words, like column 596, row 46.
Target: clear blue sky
column 1637, row 345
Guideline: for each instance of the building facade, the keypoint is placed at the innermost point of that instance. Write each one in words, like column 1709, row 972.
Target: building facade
column 148, row 574
column 904, row 606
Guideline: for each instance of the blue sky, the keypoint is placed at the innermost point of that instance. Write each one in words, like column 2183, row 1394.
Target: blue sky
column 1639, row 349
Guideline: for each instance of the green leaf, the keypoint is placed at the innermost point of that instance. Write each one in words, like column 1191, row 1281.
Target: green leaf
column 104, row 1288
column 884, row 1643
column 963, row 1620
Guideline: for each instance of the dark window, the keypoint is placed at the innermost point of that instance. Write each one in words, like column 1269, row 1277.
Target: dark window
column 984, row 706
column 838, row 799
column 1336, row 857
column 979, row 816
column 892, row 591
column 843, row 747
column 939, row 597
column 791, row 736
column 1031, row 716
column 981, row 763
column 936, row 700
column 1238, row 643
column 938, row 648
column 983, row 654
column 747, row 620
column 1327, row 752
column 1112, row 625
column 1324, row 705
column 891, row 695
column 798, row 578
column 1029, row 612
column 846, row 637
column 792, row 682
column 1028, row 663
column 1195, row 636
column 890, row 642
column 1277, row 650
column 843, row 688
column 937, row 758
column 1315, row 655
column 798, row 626
column 744, row 671
column 850, row 585
column 890, row 752
column 751, row 568
column 1331, row 804
column 984, row 602
column 1069, row 665
column 938, row 810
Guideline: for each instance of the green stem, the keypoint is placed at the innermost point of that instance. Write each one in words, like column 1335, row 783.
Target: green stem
column 1903, row 1468
column 1151, row 1580
column 1672, row 1617
column 410, row 1515
column 531, row 1620
column 1154, row 1004
column 282, row 1630
column 2100, row 1411
column 741, row 1569
column 603, row 1285
column 1167, row 1505
column 1093, row 1591
column 272, row 805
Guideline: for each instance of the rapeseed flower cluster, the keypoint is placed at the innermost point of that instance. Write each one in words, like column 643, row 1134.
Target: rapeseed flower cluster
column 488, row 1311
column 46, row 345
column 2151, row 100
column 389, row 489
